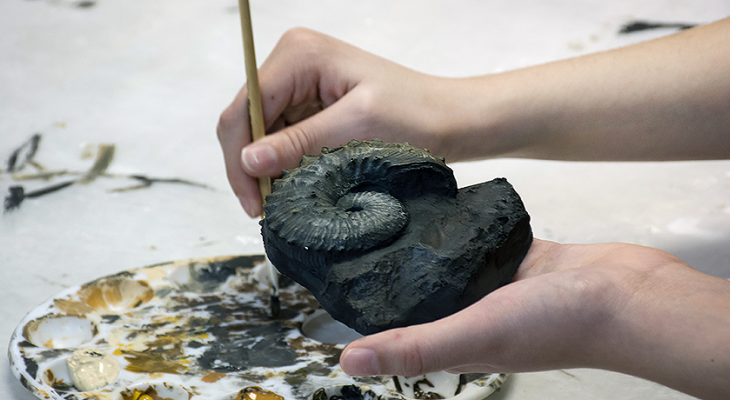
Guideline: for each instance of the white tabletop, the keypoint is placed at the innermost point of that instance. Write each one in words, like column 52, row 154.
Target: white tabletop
column 152, row 76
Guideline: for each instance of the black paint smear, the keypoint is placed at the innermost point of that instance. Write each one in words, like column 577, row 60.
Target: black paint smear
column 154, row 326
column 261, row 346
column 32, row 147
column 218, row 272
column 16, row 194
column 146, row 182
column 636, row 26
column 62, row 386
column 52, row 353
column 49, row 189
column 31, row 366
column 25, row 383
column 471, row 377
column 85, row 4
column 275, row 306
column 298, row 377
column 110, row 318
column 422, row 394
column 320, row 394
column 348, row 392
column 352, row 392
column 396, row 381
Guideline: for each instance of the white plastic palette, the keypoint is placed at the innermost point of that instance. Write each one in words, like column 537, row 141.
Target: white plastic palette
column 201, row 329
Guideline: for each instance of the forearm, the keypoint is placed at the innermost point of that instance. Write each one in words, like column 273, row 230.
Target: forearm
column 666, row 99
column 674, row 329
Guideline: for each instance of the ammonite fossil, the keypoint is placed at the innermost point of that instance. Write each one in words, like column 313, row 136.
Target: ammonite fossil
column 381, row 236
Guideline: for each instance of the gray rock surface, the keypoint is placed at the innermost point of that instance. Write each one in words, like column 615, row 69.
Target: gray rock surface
column 380, row 235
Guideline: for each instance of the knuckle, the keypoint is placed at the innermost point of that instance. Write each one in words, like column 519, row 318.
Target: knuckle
column 227, row 123
column 308, row 45
column 299, row 36
column 301, row 142
column 410, row 352
column 413, row 360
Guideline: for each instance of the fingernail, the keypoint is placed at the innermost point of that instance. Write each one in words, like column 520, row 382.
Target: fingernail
column 246, row 206
column 360, row 362
column 258, row 158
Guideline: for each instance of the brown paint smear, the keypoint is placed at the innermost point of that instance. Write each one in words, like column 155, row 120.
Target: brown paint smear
column 213, row 377
column 109, row 295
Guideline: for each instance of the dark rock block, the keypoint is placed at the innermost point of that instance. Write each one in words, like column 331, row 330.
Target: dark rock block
column 380, row 235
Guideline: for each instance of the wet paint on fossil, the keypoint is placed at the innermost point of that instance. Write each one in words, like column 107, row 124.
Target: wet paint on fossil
column 381, row 236
column 192, row 329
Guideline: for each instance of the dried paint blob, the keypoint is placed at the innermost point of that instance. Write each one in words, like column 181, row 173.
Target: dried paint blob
column 256, row 393
column 92, row 369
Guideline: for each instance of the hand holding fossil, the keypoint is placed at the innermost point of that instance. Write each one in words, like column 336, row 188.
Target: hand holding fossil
column 618, row 307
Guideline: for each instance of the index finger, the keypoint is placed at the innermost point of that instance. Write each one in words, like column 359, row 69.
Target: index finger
column 233, row 134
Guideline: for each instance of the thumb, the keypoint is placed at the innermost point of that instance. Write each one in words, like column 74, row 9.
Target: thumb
column 334, row 126
column 410, row 351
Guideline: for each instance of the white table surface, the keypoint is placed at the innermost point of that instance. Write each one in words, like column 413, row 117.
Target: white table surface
column 152, row 76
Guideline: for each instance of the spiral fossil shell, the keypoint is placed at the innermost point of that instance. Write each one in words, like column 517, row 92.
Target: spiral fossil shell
column 381, row 236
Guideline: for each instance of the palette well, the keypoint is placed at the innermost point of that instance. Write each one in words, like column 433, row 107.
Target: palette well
column 201, row 329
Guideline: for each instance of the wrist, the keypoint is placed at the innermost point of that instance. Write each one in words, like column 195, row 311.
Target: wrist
column 670, row 327
column 489, row 116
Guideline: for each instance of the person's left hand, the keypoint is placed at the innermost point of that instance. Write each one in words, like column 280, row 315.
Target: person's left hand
column 603, row 306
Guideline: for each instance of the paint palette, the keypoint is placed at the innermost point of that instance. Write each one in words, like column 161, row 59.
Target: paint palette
column 201, row 329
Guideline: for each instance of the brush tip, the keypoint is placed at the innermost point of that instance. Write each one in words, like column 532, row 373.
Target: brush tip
column 275, row 306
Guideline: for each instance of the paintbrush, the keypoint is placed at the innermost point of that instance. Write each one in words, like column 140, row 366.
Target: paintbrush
column 256, row 118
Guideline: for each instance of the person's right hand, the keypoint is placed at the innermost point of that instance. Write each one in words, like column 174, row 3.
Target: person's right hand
column 318, row 91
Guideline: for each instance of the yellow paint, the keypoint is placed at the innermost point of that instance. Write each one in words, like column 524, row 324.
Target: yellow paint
column 172, row 319
column 256, row 393
column 148, row 394
column 147, row 362
column 115, row 294
column 155, row 274
column 71, row 307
